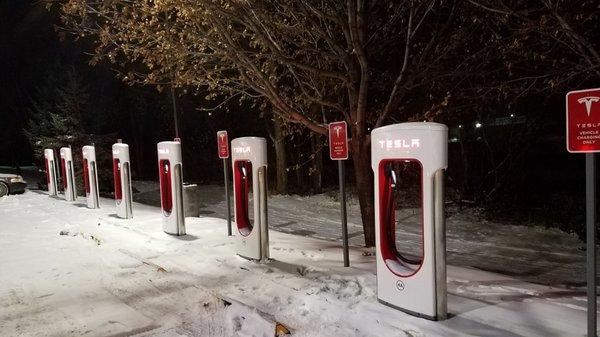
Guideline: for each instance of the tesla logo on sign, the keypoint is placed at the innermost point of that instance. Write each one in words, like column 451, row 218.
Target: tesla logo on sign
column 223, row 144
column 337, row 130
column 583, row 120
column 245, row 149
column 338, row 141
column 400, row 143
column 588, row 103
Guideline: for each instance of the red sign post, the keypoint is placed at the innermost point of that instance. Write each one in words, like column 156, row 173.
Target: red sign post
column 583, row 136
column 223, row 149
column 338, row 141
column 338, row 150
column 223, row 144
column 583, row 121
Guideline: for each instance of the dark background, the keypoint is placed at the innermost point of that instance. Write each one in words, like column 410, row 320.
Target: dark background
column 537, row 182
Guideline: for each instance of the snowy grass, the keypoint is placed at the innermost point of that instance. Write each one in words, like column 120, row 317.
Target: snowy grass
column 111, row 277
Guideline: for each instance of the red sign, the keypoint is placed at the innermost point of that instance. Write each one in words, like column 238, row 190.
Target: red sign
column 338, row 141
column 223, row 144
column 583, row 120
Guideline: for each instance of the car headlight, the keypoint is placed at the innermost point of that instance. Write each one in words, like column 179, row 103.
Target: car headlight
column 17, row 179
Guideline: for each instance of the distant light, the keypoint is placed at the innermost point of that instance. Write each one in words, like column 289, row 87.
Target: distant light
column 210, row 113
column 512, row 115
column 460, row 126
column 478, row 125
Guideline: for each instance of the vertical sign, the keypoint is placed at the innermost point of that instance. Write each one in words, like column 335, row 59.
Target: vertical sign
column 338, row 141
column 338, row 150
column 223, row 144
column 583, row 136
column 223, row 149
column 583, row 121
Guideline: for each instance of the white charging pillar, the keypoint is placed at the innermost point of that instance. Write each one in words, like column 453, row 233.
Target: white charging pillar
column 90, row 176
column 122, row 179
column 171, row 187
column 249, row 157
column 51, row 179
column 68, row 174
column 414, row 285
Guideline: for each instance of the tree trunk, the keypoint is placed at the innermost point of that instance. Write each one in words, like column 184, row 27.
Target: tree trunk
column 301, row 177
column 317, row 163
column 275, row 129
column 280, row 157
column 466, row 186
column 137, row 150
column 301, row 184
column 361, row 156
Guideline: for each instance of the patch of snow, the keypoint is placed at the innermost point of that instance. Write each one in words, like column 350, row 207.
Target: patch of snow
column 245, row 322
column 141, row 281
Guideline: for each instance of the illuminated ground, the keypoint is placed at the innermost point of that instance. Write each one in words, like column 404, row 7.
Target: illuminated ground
column 110, row 277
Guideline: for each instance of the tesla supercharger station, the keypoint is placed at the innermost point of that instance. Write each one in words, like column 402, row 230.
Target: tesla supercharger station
column 171, row 187
column 68, row 173
column 411, row 279
column 90, row 176
column 122, row 179
column 249, row 157
column 51, row 178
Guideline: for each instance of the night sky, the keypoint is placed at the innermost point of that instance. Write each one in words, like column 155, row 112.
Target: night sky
column 34, row 52
column 31, row 50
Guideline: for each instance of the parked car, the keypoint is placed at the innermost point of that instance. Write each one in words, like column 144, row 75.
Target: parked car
column 32, row 174
column 11, row 184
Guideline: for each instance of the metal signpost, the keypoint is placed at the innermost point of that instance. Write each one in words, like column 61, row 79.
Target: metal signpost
column 223, row 146
column 583, row 136
column 338, row 150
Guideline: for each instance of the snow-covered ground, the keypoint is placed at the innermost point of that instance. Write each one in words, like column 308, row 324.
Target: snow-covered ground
column 530, row 253
column 66, row 270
